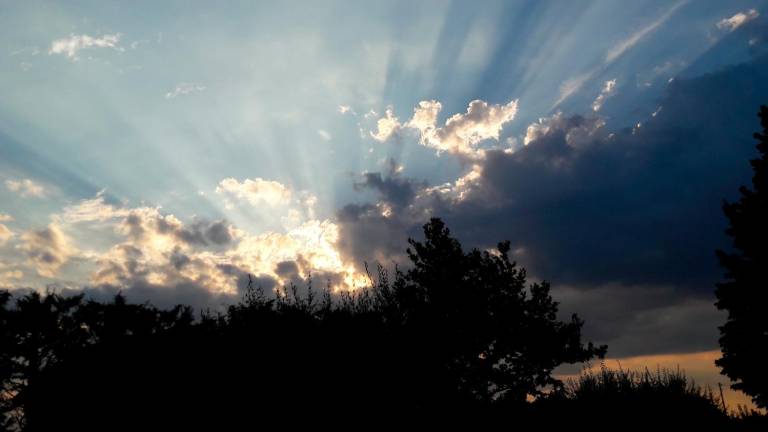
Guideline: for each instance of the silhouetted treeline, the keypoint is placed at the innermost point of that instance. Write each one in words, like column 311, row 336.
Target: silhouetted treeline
column 460, row 336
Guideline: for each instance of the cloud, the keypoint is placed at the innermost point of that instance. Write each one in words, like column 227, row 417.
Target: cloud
column 324, row 135
column 386, row 126
column 461, row 133
column 147, row 224
column 5, row 234
column 183, row 89
column 206, row 233
column 623, row 46
column 608, row 90
column 155, row 256
column 158, row 251
column 630, row 219
column 256, row 191
column 212, row 260
column 30, row 51
column 9, row 275
column 737, row 20
column 91, row 210
column 75, row 43
column 47, row 249
column 26, row 188
column 272, row 199
column 577, row 130
column 425, row 116
column 5, row 217
column 631, row 318
column 393, row 190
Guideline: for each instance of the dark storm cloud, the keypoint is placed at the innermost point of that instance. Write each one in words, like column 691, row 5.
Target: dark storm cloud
column 628, row 221
column 286, row 269
column 163, row 296
column 367, row 236
column 204, row 233
column 266, row 283
column 138, row 224
column 393, row 190
column 643, row 319
column 178, row 259
column 291, row 273
column 640, row 206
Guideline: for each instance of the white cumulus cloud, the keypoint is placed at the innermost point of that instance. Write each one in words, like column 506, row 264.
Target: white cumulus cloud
column 25, row 188
column 47, row 249
column 91, row 210
column 75, row 43
column 386, row 126
column 608, row 90
column 5, row 234
column 256, row 191
column 461, row 133
column 737, row 20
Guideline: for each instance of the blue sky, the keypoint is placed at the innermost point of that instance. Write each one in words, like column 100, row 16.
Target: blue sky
column 262, row 80
column 169, row 149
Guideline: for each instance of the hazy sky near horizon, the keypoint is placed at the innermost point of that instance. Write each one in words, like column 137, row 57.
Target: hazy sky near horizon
column 169, row 149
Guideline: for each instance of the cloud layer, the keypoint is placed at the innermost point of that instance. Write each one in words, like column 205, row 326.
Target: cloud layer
column 605, row 213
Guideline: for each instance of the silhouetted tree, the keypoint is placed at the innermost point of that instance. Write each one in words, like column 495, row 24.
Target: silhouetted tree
column 458, row 334
column 744, row 294
column 473, row 313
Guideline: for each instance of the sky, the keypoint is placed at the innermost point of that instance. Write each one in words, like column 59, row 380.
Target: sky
column 168, row 150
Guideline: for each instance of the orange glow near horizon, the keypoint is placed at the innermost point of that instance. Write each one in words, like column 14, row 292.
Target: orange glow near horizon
column 699, row 367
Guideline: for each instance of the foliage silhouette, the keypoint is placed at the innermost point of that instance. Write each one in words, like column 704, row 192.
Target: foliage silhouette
column 632, row 400
column 458, row 336
column 459, row 332
column 744, row 293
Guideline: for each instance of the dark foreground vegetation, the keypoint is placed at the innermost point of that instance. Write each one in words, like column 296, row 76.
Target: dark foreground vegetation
column 744, row 292
column 459, row 337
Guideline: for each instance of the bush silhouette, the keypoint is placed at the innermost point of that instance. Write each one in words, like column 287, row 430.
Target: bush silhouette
column 626, row 399
column 744, row 293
